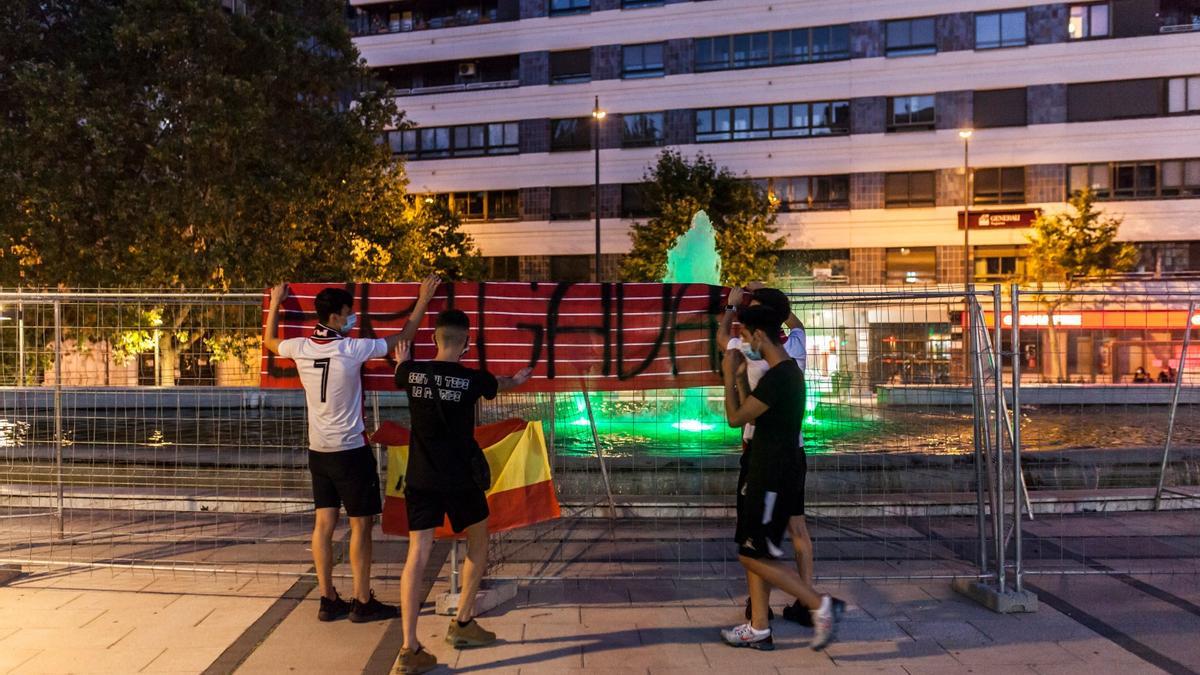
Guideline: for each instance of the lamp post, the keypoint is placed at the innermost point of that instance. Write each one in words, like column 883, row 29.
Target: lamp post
column 969, row 287
column 597, row 116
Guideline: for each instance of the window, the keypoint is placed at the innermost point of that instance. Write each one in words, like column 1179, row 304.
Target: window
column 571, row 67
column 1095, row 177
column 571, row 267
column 805, row 193
column 913, row 188
column 569, row 6
column 634, row 4
column 642, row 129
column 781, row 47
column 1134, row 180
column 481, row 205
column 911, row 265
column 783, row 120
column 471, row 140
column 574, row 133
column 1000, row 108
column 911, row 113
column 1181, row 178
column 634, row 201
column 906, row 37
column 1088, row 21
column 1000, row 186
column 999, row 263
column 1092, row 101
column 1183, row 94
column 503, row 268
column 642, row 60
column 570, row 203
column 1000, row 29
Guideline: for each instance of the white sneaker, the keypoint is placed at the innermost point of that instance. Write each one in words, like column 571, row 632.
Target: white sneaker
column 745, row 635
column 824, row 623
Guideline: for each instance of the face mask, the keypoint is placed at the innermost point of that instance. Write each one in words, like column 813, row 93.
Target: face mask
column 349, row 324
column 751, row 353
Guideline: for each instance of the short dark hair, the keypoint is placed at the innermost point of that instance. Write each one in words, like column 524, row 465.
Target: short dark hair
column 762, row 318
column 331, row 301
column 775, row 299
column 453, row 318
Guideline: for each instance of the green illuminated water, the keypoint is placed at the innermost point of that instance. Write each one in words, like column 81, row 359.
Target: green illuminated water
column 681, row 422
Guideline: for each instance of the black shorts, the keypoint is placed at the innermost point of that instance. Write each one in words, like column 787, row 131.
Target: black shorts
column 428, row 509
column 348, row 477
column 796, row 501
column 762, row 520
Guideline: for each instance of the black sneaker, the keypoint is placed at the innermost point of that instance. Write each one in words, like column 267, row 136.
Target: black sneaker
column 798, row 613
column 770, row 612
column 332, row 610
column 371, row 610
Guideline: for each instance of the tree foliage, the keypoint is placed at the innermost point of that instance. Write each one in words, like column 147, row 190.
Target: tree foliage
column 1066, row 249
column 741, row 214
column 173, row 144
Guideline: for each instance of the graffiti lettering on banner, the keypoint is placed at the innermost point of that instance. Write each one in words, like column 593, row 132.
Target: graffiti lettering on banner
column 602, row 336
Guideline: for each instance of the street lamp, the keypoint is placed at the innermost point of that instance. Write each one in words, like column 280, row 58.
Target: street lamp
column 598, row 116
column 965, row 135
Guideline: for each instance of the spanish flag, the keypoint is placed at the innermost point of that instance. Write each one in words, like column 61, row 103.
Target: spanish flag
column 522, row 492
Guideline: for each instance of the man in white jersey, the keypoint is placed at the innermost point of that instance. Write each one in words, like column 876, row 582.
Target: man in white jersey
column 340, row 460
column 796, row 346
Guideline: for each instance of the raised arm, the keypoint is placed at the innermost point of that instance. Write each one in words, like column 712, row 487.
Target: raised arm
column 270, row 333
column 518, row 379
column 428, row 287
column 725, row 327
column 739, row 414
column 794, row 321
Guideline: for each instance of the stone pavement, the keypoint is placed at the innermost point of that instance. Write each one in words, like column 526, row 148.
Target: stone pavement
column 130, row 621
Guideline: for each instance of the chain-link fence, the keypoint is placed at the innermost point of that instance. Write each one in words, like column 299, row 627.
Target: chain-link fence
column 132, row 432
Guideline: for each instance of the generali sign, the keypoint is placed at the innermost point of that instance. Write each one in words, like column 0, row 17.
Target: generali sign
column 994, row 219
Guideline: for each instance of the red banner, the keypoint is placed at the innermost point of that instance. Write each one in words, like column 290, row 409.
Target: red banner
column 609, row 336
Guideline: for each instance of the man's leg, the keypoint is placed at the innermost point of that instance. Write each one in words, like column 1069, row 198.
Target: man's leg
column 802, row 544
column 781, row 576
column 322, row 549
column 360, row 555
column 473, row 569
column 420, row 543
column 760, row 597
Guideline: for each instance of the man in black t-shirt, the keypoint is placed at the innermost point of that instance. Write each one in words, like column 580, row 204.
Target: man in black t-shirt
column 446, row 476
column 769, row 492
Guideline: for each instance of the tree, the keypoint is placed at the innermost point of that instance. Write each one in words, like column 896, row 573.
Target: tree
column 171, row 144
column 742, row 216
column 1066, row 249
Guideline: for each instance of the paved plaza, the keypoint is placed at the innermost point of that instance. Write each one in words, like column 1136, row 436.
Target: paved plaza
column 263, row 620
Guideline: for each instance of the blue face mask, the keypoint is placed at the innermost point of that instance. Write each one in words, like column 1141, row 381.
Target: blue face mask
column 751, row 353
column 349, row 324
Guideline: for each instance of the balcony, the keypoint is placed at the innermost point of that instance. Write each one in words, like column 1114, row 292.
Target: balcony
column 418, row 15
column 450, row 76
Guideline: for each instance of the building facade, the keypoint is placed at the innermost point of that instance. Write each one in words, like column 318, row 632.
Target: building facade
column 847, row 112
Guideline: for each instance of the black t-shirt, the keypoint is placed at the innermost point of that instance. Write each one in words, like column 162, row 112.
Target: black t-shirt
column 775, row 447
column 441, row 402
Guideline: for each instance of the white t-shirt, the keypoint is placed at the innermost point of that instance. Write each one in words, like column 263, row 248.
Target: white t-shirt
column 796, row 346
column 331, row 373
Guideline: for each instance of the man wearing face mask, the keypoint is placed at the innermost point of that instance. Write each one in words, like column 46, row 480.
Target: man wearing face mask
column 795, row 345
column 329, row 363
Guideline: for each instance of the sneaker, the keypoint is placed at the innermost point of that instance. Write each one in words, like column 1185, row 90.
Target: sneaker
column 798, row 613
column 746, row 636
column 371, row 610
column 824, row 620
column 770, row 612
column 409, row 661
column 332, row 610
column 470, row 635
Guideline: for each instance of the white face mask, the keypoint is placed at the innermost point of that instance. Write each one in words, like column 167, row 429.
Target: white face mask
column 349, row 323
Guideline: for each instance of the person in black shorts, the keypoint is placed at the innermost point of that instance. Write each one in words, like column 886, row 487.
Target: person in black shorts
column 329, row 364
column 771, row 490
column 447, row 476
